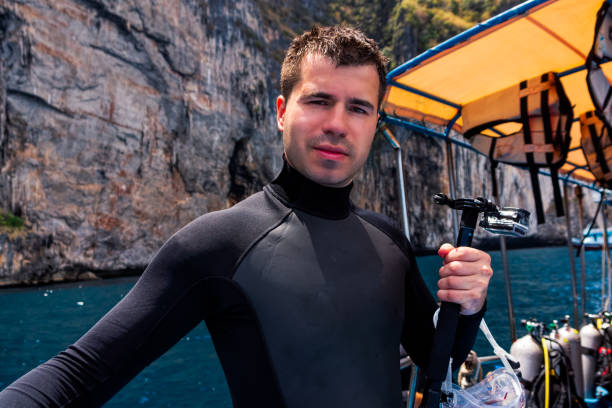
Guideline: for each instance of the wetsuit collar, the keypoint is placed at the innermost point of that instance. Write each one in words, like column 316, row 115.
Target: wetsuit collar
column 301, row 193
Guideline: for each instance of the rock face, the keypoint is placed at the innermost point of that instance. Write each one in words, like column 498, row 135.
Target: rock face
column 122, row 121
column 126, row 120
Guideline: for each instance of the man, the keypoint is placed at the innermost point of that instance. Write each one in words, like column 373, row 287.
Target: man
column 306, row 297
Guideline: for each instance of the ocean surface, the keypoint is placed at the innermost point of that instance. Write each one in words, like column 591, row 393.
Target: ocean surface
column 38, row 323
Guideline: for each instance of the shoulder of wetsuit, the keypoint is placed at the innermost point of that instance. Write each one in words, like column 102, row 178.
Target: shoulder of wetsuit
column 389, row 227
column 216, row 240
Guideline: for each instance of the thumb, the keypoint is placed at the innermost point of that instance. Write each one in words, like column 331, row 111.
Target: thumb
column 445, row 249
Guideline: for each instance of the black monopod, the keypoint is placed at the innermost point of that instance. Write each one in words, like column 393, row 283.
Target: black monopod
column 506, row 221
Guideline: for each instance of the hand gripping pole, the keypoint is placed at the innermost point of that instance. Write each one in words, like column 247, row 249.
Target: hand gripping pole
column 508, row 221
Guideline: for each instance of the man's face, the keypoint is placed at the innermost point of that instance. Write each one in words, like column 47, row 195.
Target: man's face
column 329, row 120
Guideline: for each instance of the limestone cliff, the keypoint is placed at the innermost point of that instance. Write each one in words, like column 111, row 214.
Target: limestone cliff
column 122, row 121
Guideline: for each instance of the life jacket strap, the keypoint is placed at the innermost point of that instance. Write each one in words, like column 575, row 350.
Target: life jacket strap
column 533, row 170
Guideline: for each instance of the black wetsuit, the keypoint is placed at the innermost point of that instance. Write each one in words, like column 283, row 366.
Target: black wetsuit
column 306, row 299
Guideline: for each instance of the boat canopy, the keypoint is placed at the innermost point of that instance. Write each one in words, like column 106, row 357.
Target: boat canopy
column 429, row 92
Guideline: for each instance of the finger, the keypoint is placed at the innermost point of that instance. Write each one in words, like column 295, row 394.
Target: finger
column 463, row 283
column 445, row 249
column 467, row 254
column 457, row 268
column 461, row 297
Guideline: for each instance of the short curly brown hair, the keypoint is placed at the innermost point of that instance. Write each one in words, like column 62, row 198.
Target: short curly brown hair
column 342, row 44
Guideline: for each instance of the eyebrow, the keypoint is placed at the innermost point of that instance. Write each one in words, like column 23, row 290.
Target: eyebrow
column 322, row 95
column 352, row 101
column 362, row 102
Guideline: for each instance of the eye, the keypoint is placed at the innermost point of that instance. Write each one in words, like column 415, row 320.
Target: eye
column 321, row 102
column 358, row 109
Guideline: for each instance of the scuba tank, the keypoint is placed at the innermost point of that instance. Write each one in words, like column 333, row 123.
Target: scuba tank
column 555, row 342
column 590, row 340
column 604, row 361
column 529, row 354
column 570, row 340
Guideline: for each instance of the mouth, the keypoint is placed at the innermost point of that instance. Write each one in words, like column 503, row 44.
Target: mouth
column 331, row 152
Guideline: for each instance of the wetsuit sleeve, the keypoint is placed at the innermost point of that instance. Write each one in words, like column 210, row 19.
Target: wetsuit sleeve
column 189, row 280
column 176, row 292
column 418, row 331
column 167, row 302
column 466, row 335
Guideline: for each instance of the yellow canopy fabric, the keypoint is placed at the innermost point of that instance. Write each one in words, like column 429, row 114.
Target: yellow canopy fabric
column 535, row 37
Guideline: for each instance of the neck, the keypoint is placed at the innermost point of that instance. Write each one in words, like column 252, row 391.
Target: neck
column 303, row 194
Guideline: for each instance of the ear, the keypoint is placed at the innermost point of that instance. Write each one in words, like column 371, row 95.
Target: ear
column 280, row 112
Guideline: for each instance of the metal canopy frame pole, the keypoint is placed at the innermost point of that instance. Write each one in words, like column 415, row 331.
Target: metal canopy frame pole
column 402, row 193
column 579, row 195
column 400, row 175
column 608, row 264
column 414, row 370
column 450, row 163
column 604, row 302
column 570, row 253
column 605, row 254
column 506, row 267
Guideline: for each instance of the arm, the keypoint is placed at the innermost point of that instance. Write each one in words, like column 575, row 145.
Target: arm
column 163, row 306
column 418, row 331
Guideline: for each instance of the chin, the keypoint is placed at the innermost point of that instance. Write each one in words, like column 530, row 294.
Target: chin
column 326, row 173
column 331, row 181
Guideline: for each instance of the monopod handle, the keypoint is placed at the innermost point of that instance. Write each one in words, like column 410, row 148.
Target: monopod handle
column 466, row 234
column 444, row 338
column 448, row 319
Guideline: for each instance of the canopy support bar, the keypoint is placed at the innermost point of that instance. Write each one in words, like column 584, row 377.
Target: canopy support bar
column 450, row 168
column 579, row 195
column 414, row 371
column 506, row 267
column 425, row 94
column 570, row 252
column 450, row 162
column 605, row 249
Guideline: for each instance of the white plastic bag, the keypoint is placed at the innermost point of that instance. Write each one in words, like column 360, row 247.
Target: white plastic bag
column 500, row 388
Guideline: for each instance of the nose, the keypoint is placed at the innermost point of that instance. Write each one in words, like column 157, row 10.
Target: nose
column 336, row 121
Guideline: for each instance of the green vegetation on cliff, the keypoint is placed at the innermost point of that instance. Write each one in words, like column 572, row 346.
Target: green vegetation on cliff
column 10, row 221
column 405, row 28
column 434, row 21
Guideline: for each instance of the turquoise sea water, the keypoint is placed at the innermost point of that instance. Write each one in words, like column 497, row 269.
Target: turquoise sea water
column 38, row 323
